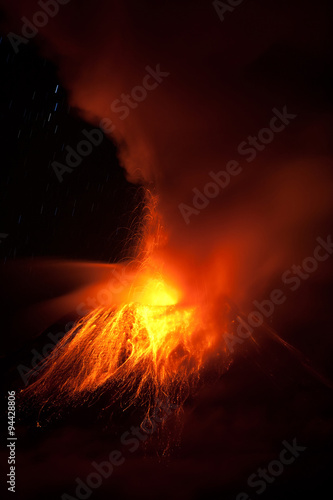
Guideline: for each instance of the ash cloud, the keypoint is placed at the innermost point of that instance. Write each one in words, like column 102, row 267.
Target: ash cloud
column 224, row 79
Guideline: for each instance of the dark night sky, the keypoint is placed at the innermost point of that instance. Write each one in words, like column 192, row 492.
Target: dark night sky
column 42, row 216
column 233, row 424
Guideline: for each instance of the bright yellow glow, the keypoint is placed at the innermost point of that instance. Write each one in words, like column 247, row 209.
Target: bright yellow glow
column 150, row 348
column 154, row 292
column 147, row 348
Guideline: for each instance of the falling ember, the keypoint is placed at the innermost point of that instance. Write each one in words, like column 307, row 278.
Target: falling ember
column 152, row 347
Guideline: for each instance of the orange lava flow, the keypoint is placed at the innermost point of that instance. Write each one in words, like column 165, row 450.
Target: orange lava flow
column 150, row 348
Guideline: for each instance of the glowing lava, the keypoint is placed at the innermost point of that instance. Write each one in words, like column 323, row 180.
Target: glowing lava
column 151, row 347
column 145, row 350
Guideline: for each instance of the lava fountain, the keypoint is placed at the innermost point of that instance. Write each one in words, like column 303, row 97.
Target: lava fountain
column 170, row 321
column 152, row 347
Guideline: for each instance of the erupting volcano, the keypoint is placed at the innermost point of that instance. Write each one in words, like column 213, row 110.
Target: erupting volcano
column 166, row 249
column 234, row 193
column 152, row 347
